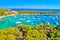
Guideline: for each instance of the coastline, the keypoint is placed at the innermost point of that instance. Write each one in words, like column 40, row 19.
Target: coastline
column 23, row 14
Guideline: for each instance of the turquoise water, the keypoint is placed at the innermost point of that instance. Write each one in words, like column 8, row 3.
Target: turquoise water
column 30, row 20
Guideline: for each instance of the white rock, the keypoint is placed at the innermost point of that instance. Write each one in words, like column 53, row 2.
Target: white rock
column 12, row 14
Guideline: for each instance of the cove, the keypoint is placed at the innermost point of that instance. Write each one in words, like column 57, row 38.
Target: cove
column 31, row 19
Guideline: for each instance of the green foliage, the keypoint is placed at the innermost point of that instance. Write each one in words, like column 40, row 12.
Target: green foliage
column 3, row 11
column 29, row 33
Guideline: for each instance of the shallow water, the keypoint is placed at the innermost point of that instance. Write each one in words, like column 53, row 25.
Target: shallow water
column 30, row 20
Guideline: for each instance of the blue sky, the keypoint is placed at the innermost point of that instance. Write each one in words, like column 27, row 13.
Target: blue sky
column 32, row 4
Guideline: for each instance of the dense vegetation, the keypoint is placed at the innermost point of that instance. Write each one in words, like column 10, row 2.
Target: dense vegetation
column 4, row 12
column 39, row 32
